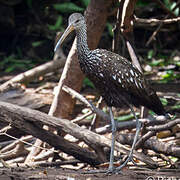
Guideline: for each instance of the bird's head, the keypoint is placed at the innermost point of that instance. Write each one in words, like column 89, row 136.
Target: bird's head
column 75, row 22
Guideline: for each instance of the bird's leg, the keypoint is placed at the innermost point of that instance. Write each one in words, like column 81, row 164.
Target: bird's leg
column 138, row 127
column 113, row 126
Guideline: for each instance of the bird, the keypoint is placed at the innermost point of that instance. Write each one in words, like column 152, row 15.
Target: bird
column 118, row 81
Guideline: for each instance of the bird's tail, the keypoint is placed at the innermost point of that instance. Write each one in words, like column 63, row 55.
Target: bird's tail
column 156, row 105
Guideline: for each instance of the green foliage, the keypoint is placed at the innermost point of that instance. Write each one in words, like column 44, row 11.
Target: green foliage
column 159, row 62
column 68, row 7
column 110, row 29
column 11, row 63
column 174, row 159
column 177, row 106
column 58, row 25
column 170, row 5
column 170, row 76
column 142, row 3
column 36, row 43
column 150, row 54
column 87, row 82
column 85, row 3
column 164, row 101
column 126, row 117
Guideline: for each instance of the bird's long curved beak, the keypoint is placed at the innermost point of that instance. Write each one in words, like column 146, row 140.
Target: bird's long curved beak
column 68, row 30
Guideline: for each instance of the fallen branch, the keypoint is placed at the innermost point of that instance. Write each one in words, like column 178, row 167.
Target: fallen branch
column 131, row 124
column 34, row 73
column 31, row 121
column 153, row 144
column 28, row 120
column 152, row 130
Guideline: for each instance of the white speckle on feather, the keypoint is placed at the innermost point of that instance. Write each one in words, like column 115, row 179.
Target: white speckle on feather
column 136, row 74
column 99, row 55
column 119, row 81
column 114, row 77
column 101, row 74
column 132, row 72
column 136, row 84
column 140, row 85
column 131, row 79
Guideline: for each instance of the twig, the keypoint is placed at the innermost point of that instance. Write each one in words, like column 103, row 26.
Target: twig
column 152, row 144
column 132, row 124
column 164, row 126
column 73, row 93
column 34, row 73
column 145, row 137
column 96, row 118
column 78, row 119
column 154, row 33
column 161, row 24
column 25, row 142
column 155, row 22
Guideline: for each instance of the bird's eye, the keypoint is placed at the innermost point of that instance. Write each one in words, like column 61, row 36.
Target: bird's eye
column 77, row 21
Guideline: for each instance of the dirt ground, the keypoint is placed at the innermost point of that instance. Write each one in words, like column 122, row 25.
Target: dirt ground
column 65, row 174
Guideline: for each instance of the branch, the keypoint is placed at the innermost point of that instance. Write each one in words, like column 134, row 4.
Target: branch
column 31, row 121
column 34, row 73
column 153, row 144
column 154, row 22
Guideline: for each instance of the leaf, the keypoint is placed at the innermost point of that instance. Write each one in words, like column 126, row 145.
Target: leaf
column 174, row 159
column 110, row 29
column 142, row 3
column 10, row 69
column 58, row 24
column 170, row 5
column 150, row 54
column 126, row 117
column 176, row 12
column 157, row 62
column 164, row 101
column 36, row 43
column 85, row 3
column 67, row 7
column 175, row 107
column 87, row 82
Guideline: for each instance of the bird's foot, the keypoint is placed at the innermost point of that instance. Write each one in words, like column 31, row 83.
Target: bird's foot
column 110, row 170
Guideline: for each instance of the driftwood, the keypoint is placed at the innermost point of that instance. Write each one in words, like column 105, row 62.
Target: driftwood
column 31, row 121
column 153, row 144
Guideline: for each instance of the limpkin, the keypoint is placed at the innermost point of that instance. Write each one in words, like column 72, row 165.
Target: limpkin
column 117, row 79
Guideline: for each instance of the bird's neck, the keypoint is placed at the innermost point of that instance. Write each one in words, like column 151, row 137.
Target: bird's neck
column 82, row 46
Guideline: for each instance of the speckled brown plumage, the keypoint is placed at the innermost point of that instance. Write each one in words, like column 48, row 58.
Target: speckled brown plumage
column 117, row 79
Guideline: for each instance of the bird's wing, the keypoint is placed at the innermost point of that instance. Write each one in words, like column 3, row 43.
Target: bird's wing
column 122, row 72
